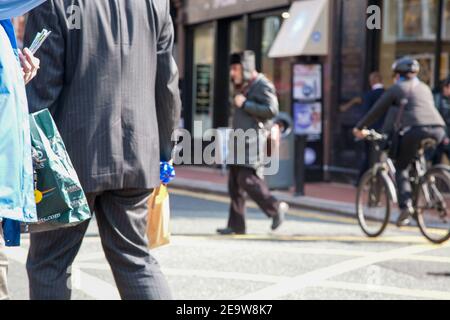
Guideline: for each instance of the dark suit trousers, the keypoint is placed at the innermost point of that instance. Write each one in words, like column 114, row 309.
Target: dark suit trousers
column 122, row 221
column 244, row 181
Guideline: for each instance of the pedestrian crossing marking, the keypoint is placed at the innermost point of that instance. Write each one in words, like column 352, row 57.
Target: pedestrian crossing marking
column 314, row 278
column 251, row 277
column 387, row 290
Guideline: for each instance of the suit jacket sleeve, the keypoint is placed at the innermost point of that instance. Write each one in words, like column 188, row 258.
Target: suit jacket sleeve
column 387, row 100
column 44, row 90
column 168, row 102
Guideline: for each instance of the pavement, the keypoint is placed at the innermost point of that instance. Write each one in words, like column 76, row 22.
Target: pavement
column 326, row 197
column 313, row 256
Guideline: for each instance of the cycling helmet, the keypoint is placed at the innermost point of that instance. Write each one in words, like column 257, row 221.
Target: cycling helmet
column 406, row 65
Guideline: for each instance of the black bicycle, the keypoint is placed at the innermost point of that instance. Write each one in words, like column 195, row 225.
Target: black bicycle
column 377, row 193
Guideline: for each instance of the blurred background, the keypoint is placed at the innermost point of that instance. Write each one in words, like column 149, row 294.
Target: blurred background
column 320, row 60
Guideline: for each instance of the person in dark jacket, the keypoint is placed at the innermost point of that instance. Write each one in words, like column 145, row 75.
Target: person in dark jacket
column 367, row 102
column 112, row 87
column 420, row 120
column 442, row 101
column 255, row 104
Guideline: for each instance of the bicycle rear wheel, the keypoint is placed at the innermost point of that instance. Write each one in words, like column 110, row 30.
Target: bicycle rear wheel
column 433, row 206
column 373, row 206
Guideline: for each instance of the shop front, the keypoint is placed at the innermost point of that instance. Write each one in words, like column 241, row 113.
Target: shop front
column 319, row 55
column 416, row 28
column 215, row 29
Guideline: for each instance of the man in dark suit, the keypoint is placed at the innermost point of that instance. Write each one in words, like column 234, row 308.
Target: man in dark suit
column 367, row 101
column 112, row 87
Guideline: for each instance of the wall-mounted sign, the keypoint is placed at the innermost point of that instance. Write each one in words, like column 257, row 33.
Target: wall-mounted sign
column 203, row 88
column 307, row 82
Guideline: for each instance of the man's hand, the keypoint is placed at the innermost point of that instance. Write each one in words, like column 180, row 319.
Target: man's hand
column 30, row 65
column 360, row 134
column 345, row 107
column 239, row 101
column 446, row 141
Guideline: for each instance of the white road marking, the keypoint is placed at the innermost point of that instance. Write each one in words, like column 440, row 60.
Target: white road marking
column 196, row 273
column 421, row 294
column 99, row 289
column 434, row 259
column 313, row 278
column 199, row 273
column 191, row 242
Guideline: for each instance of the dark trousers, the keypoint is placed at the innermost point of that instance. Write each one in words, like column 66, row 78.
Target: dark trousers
column 122, row 221
column 409, row 146
column 243, row 181
column 441, row 150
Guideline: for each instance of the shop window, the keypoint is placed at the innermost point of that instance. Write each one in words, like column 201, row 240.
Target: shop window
column 410, row 20
column 409, row 29
column 237, row 36
column 277, row 70
column 446, row 24
column 446, row 41
column 203, row 75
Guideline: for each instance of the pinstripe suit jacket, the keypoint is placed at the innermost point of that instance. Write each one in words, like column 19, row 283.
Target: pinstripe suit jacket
column 111, row 83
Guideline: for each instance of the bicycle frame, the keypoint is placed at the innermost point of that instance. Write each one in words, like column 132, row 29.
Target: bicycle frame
column 386, row 169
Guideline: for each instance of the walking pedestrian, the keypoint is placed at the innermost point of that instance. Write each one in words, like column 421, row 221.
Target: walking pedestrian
column 255, row 103
column 112, row 87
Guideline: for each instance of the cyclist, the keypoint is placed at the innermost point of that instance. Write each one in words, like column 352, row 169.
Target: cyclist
column 419, row 120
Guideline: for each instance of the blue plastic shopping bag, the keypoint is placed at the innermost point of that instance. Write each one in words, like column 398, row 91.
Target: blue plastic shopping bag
column 17, row 201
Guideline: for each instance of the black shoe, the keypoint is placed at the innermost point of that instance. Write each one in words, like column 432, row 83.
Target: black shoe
column 228, row 232
column 278, row 220
column 405, row 217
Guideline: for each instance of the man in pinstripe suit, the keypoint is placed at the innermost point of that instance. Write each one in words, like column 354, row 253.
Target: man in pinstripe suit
column 112, row 86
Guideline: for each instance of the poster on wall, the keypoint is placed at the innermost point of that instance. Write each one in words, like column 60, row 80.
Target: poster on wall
column 203, row 88
column 307, row 82
column 308, row 119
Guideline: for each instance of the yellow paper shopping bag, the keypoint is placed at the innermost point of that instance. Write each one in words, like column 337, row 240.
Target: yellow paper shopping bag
column 158, row 218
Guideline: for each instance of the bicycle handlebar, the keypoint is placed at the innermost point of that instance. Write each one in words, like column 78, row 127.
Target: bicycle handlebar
column 372, row 135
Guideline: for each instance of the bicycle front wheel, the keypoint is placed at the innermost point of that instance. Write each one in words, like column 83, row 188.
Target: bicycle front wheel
column 433, row 206
column 373, row 206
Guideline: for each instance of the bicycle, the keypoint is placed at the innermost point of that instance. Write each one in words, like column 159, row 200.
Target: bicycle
column 377, row 192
